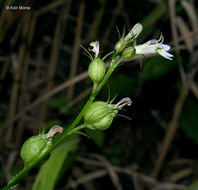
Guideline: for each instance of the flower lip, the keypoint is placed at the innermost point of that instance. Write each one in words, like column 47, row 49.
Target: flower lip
column 165, row 54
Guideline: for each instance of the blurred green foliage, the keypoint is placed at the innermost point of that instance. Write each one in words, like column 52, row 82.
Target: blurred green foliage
column 193, row 186
column 189, row 119
column 97, row 136
column 59, row 102
column 156, row 67
column 117, row 88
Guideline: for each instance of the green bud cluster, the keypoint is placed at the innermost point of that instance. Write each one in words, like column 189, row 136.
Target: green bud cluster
column 34, row 148
column 96, row 70
column 99, row 115
column 126, row 43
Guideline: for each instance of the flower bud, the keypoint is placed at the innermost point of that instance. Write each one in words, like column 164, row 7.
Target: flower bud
column 134, row 32
column 120, row 45
column 99, row 116
column 96, row 70
column 128, row 53
column 34, row 148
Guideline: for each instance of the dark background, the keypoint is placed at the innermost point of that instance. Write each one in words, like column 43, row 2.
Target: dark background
column 40, row 58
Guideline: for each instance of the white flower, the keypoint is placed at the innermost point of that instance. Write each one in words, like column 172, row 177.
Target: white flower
column 95, row 47
column 154, row 46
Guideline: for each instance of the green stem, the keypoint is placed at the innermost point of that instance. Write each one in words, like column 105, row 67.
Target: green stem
column 16, row 179
column 76, row 129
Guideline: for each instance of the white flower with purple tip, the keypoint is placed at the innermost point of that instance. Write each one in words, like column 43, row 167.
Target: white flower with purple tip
column 154, row 46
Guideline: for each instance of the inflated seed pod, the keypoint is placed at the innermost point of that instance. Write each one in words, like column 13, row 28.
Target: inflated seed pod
column 96, row 70
column 99, row 116
column 36, row 146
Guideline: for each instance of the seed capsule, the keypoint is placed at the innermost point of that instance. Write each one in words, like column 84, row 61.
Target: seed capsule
column 34, row 148
column 99, row 116
column 96, row 70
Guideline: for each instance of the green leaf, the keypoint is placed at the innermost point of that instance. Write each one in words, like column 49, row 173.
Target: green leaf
column 50, row 171
column 156, row 67
column 122, row 84
column 97, row 136
column 189, row 120
column 193, row 186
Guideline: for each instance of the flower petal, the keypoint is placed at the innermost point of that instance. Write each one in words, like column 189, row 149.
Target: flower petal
column 153, row 41
column 165, row 54
column 165, row 47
